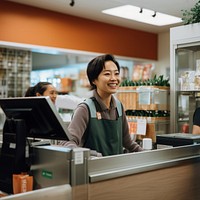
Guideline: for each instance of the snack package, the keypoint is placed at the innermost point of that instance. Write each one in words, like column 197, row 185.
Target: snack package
column 22, row 183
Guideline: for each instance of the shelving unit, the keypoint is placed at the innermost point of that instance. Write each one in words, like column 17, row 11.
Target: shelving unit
column 184, row 76
column 146, row 102
column 15, row 68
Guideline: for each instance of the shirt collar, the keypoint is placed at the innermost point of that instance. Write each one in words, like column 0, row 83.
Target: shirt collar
column 103, row 106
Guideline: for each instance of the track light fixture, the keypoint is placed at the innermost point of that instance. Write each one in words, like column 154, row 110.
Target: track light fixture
column 154, row 14
column 141, row 11
column 72, row 3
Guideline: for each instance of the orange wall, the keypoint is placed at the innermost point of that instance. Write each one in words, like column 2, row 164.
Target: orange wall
column 29, row 25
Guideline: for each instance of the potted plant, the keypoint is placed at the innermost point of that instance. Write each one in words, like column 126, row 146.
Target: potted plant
column 193, row 15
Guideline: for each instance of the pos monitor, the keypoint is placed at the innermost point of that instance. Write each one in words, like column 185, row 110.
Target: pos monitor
column 26, row 117
column 41, row 118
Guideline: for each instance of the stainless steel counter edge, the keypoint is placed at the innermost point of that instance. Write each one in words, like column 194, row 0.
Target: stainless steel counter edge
column 104, row 168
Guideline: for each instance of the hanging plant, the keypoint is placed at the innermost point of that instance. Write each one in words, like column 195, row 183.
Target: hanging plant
column 193, row 15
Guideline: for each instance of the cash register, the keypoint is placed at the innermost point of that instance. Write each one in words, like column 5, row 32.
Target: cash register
column 27, row 118
column 177, row 139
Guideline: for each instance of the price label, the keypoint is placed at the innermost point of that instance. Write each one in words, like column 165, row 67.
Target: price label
column 141, row 126
column 78, row 157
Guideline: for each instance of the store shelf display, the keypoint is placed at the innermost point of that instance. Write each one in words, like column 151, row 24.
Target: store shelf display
column 15, row 68
column 147, row 100
column 151, row 94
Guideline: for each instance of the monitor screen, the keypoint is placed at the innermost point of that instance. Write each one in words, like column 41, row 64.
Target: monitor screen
column 41, row 118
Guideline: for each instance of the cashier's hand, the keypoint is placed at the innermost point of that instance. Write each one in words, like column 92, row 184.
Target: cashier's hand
column 95, row 153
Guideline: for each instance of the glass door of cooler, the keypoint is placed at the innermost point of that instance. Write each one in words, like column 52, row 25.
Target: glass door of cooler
column 185, row 86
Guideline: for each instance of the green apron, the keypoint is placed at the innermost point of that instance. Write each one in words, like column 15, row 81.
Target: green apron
column 103, row 135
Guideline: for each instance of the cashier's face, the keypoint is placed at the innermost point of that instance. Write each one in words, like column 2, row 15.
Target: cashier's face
column 108, row 80
column 51, row 92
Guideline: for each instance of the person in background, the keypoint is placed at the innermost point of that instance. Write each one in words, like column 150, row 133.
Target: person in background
column 47, row 89
column 196, row 121
column 42, row 89
column 99, row 123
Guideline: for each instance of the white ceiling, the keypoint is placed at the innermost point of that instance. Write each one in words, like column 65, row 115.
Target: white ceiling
column 91, row 9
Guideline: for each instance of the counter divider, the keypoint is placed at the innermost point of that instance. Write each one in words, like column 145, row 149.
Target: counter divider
column 122, row 165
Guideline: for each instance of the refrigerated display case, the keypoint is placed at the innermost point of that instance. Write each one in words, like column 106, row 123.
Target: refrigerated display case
column 184, row 76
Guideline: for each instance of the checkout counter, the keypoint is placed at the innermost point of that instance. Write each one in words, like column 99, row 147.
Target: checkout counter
column 169, row 173
column 72, row 174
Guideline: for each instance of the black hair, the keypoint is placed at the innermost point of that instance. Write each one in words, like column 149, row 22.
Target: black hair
column 30, row 92
column 40, row 88
column 96, row 65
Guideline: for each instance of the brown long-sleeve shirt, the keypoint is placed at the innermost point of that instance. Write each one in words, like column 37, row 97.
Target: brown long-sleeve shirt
column 80, row 121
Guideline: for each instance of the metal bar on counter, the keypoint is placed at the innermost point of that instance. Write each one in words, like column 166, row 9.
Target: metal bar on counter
column 121, row 165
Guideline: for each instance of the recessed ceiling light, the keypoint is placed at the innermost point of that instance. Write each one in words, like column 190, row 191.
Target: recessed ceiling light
column 143, row 15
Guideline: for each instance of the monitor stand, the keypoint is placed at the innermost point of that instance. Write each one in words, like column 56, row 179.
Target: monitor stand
column 13, row 157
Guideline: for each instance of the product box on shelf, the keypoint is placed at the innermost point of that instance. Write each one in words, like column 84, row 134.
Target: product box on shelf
column 144, row 97
column 128, row 96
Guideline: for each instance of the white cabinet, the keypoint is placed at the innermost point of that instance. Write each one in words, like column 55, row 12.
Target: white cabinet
column 184, row 76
